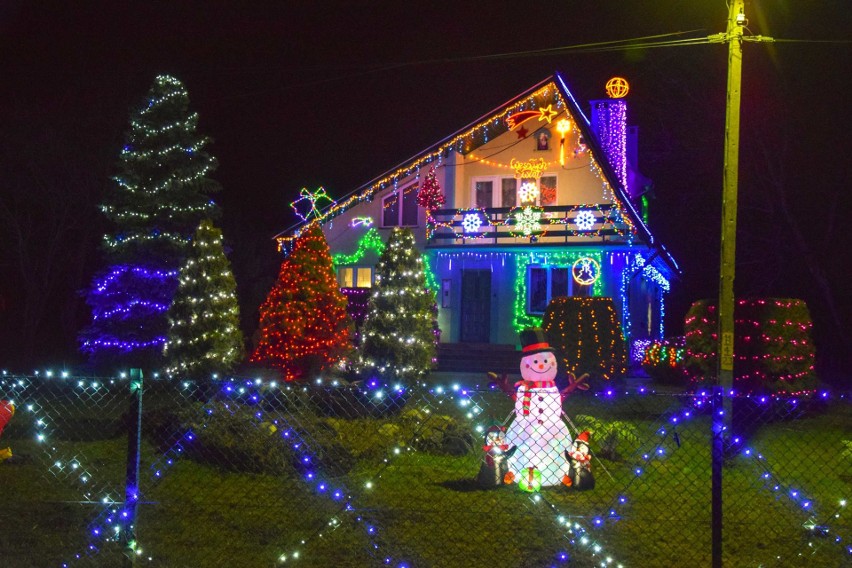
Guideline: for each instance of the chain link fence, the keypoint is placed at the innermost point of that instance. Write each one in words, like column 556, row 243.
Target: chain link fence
column 253, row 473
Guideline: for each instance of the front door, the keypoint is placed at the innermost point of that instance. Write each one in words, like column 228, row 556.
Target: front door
column 475, row 306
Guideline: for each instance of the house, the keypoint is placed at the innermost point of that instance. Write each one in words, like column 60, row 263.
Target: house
column 541, row 200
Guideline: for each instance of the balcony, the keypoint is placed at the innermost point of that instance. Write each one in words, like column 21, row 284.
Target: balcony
column 519, row 226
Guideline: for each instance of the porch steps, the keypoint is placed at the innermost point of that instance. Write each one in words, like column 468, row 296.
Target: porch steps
column 478, row 358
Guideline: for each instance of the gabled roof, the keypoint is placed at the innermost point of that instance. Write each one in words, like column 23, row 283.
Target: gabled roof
column 489, row 126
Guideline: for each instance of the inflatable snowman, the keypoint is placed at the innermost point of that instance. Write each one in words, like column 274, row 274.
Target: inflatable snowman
column 538, row 430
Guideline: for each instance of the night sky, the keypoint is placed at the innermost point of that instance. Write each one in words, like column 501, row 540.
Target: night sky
column 309, row 94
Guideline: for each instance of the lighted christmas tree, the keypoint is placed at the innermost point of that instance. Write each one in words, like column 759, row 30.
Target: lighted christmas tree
column 161, row 194
column 430, row 195
column 398, row 335
column 304, row 325
column 204, row 334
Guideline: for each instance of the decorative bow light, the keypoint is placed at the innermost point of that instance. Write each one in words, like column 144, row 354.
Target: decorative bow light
column 308, row 205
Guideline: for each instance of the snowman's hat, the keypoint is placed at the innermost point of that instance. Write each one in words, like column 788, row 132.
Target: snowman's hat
column 583, row 437
column 533, row 340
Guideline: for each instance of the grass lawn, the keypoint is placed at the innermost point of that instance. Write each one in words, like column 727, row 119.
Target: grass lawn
column 235, row 499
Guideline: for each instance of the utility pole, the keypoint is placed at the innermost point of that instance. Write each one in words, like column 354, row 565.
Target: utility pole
column 734, row 38
column 722, row 404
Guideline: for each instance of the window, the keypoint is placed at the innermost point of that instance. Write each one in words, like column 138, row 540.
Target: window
column 547, row 191
column 509, row 193
column 483, row 193
column 355, row 277
column 547, row 282
column 395, row 216
column 364, row 278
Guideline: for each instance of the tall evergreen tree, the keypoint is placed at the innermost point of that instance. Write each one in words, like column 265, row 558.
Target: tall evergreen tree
column 161, row 194
column 204, row 317
column 399, row 332
column 304, row 325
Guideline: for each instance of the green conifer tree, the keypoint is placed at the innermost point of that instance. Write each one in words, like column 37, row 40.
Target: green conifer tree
column 204, row 333
column 161, row 195
column 399, row 332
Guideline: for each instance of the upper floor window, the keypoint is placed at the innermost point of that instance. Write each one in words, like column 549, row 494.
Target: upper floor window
column 399, row 208
column 355, row 277
column 511, row 192
column 547, row 191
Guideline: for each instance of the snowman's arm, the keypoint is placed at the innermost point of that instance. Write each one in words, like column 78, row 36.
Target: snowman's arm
column 502, row 381
column 574, row 384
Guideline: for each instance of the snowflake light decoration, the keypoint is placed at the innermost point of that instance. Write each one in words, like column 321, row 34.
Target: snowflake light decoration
column 528, row 192
column 585, row 220
column 528, row 221
column 471, row 222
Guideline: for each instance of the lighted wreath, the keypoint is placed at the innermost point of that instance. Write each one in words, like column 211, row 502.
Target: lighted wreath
column 586, row 271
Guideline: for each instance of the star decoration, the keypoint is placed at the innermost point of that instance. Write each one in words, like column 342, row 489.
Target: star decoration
column 547, row 113
column 313, row 198
column 522, row 132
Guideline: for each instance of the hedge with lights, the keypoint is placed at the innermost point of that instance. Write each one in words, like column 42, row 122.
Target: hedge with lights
column 204, row 334
column 304, row 325
column 161, row 195
column 587, row 336
column 773, row 349
column 399, row 333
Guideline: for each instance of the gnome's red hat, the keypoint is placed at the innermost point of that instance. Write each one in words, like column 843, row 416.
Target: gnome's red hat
column 533, row 340
column 7, row 411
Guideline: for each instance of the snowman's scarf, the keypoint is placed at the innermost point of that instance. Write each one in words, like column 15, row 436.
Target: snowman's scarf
column 528, row 385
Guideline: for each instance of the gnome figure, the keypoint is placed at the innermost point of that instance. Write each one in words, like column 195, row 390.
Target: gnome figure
column 495, row 462
column 579, row 464
column 7, row 411
column 538, row 430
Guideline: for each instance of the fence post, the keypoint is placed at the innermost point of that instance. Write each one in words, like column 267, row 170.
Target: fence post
column 131, row 482
column 718, row 458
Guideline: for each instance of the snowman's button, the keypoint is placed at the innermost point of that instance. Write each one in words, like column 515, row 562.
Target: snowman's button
column 541, row 398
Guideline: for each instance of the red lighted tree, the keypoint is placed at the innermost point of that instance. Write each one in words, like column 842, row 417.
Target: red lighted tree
column 430, row 195
column 304, row 325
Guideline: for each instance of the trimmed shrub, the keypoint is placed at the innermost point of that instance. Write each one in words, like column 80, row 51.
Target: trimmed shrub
column 773, row 349
column 587, row 336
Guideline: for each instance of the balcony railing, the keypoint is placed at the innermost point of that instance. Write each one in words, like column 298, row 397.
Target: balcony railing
column 524, row 225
